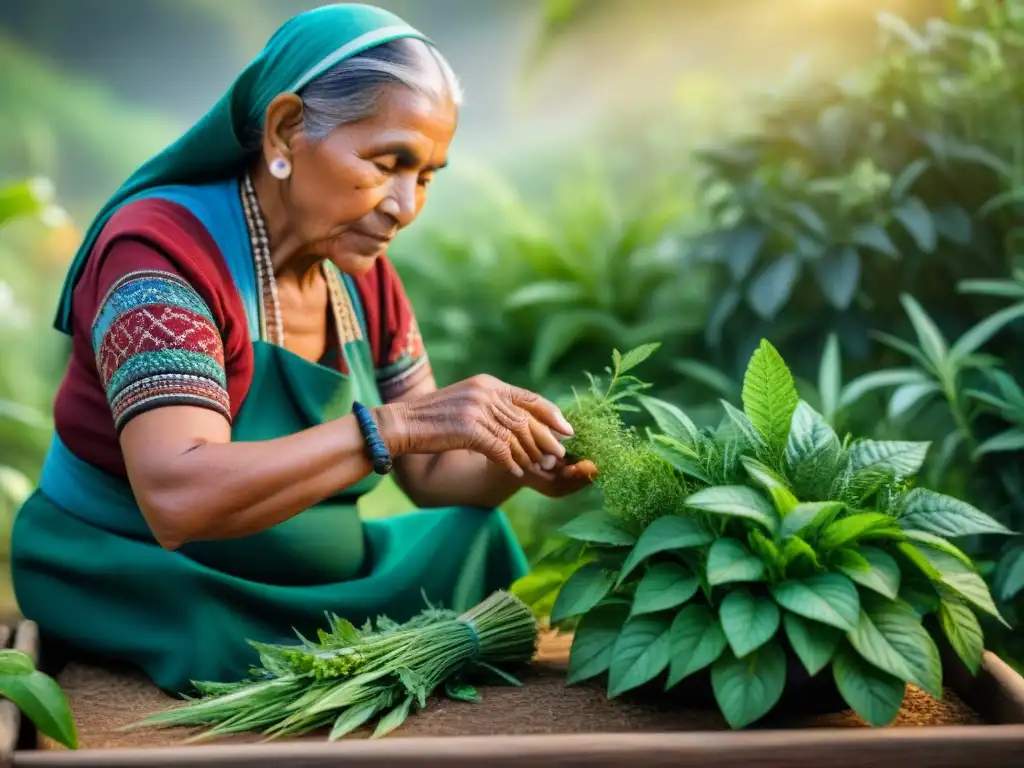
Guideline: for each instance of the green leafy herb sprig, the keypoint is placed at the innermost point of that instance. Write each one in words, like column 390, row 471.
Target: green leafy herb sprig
column 38, row 696
column 729, row 547
column 351, row 676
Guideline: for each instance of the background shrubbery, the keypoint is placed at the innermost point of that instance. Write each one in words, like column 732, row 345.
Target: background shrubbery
column 863, row 219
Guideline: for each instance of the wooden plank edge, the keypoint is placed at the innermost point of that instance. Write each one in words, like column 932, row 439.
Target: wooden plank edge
column 938, row 747
column 996, row 692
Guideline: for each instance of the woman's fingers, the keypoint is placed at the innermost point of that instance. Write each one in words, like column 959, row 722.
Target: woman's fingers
column 548, row 444
column 513, row 448
column 541, row 409
column 517, row 421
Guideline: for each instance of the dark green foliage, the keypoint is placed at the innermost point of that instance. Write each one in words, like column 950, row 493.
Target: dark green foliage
column 767, row 534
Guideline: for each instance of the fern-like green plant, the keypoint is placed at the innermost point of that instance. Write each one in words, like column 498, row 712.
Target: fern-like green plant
column 767, row 537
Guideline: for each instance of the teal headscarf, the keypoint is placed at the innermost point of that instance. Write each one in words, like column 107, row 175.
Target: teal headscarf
column 300, row 50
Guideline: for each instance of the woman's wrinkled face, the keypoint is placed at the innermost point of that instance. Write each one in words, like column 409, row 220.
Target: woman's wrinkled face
column 350, row 193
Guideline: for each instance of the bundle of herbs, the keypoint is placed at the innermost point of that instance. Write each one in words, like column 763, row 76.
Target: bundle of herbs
column 385, row 670
column 766, row 538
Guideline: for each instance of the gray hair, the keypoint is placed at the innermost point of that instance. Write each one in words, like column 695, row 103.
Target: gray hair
column 350, row 91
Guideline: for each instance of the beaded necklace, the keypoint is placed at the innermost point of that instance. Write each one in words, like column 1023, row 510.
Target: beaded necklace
column 346, row 327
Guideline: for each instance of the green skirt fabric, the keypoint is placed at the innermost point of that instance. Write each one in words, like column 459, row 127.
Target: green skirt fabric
column 178, row 620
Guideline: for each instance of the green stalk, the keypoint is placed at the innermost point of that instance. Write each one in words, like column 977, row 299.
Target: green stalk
column 352, row 676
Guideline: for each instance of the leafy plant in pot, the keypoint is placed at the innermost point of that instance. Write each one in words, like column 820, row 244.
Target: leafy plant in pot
column 765, row 556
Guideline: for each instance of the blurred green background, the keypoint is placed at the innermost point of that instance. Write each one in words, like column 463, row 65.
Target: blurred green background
column 695, row 173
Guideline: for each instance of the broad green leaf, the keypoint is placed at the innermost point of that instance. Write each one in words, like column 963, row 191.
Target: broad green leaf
column 942, row 515
column 813, row 643
column 981, row 333
column 875, row 237
column 696, row 640
column 353, row 718
column 1010, row 576
column 736, row 501
column 594, row 640
column 1009, row 440
column 770, row 396
column 901, row 458
column 830, row 375
column 764, row 548
column 582, row 591
column 856, row 488
column 746, row 689
column 776, row 486
column 599, row 527
column 937, row 542
column 908, row 349
column 14, row 662
column 963, row 631
column 917, row 220
column 640, row 654
column 743, row 425
column 828, row 598
column 545, row 292
column 1007, row 289
column 635, row 356
column 890, row 636
column 665, row 533
column 809, row 514
column 929, row 337
column 854, row 528
column 393, row 719
column 838, row 273
column 664, row 586
column 730, row 561
column 872, row 568
column 749, row 621
column 949, row 570
column 908, row 177
column 909, row 395
column 670, row 419
column 813, row 451
column 869, row 382
column 38, row 696
column 771, row 289
column 796, row 549
column 743, row 243
column 873, row 694
column 679, row 456
column 810, row 218
column 462, row 692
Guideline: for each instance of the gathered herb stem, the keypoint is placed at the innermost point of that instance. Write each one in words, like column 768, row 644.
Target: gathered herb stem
column 352, row 676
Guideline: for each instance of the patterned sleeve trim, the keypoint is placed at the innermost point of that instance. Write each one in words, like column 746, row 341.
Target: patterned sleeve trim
column 157, row 344
column 407, row 366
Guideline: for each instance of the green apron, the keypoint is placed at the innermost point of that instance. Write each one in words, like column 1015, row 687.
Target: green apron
column 88, row 570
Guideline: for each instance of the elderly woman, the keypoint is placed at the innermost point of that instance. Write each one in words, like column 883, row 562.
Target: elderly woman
column 246, row 365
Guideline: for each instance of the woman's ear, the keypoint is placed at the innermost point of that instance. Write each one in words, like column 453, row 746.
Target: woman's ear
column 282, row 125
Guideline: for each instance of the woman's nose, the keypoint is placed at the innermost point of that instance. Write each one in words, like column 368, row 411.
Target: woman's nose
column 400, row 202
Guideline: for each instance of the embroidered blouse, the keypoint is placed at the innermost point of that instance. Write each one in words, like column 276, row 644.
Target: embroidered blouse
column 157, row 321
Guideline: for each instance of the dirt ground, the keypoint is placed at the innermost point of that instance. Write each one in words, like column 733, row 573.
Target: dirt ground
column 104, row 701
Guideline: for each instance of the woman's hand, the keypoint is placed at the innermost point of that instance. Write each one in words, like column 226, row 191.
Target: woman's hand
column 567, row 479
column 513, row 427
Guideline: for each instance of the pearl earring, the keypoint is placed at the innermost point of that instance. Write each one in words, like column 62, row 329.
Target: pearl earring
column 280, row 168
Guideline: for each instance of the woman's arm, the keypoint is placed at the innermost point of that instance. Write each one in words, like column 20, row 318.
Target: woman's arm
column 471, row 479
column 193, row 483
